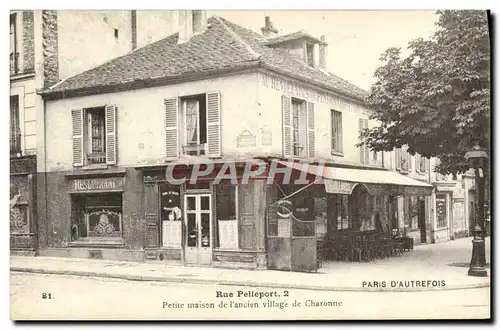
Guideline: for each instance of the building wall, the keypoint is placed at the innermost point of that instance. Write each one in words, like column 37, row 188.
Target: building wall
column 87, row 39
column 153, row 25
column 272, row 87
column 141, row 118
column 25, row 89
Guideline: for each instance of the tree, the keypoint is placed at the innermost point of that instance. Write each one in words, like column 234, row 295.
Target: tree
column 437, row 99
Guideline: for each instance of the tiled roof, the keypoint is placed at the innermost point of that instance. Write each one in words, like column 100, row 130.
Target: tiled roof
column 292, row 36
column 223, row 46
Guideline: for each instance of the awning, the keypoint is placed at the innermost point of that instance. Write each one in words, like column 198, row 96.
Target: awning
column 343, row 180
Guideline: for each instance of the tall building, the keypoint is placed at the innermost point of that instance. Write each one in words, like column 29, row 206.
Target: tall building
column 47, row 47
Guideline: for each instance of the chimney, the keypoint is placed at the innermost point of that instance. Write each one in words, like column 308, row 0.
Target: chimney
column 322, row 53
column 269, row 31
column 133, row 26
column 191, row 22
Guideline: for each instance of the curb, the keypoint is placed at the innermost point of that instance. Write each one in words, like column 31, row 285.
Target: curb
column 189, row 280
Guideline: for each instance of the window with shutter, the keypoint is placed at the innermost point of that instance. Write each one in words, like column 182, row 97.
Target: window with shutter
column 311, row 143
column 286, row 106
column 171, row 127
column 397, row 153
column 213, row 124
column 366, row 150
column 336, row 122
column 77, row 121
column 111, row 135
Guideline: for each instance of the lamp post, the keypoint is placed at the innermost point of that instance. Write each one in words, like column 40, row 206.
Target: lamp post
column 477, row 157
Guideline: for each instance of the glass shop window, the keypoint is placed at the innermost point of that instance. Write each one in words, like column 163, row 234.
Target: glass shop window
column 96, row 216
column 226, row 206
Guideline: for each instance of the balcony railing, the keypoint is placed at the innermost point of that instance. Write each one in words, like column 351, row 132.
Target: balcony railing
column 194, row 149
column 15, row 142
column 14, row 63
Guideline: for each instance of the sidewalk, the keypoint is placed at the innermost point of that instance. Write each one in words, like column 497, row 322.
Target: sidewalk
column 446, row 262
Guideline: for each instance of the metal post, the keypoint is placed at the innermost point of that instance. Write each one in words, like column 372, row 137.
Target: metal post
column 478, row 245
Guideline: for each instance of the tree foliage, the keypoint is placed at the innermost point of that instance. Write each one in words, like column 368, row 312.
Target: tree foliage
column 437, row 99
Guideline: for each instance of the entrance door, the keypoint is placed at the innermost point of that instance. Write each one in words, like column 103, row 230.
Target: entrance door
column 421, row 221
column 198, row 217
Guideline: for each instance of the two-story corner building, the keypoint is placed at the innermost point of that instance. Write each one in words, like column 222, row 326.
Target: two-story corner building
column 224, row 96
column 46, row 47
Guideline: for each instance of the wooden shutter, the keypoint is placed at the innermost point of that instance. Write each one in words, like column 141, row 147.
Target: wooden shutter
column 409, row 157
column 362, row 147
column 311, row 145
column 247, row 215
column 171, row 127
column 417, row 162
column 213, row 124
column 110, row 134
column 150, row 206
column 286, row 106
column 427, row 164
column 77, row 120
column 367, row 151
column 397, row 153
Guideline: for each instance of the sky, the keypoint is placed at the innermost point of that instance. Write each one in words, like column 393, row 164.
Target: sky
column 356, row 39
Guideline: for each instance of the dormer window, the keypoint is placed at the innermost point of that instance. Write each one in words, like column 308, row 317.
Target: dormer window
column 310, row 54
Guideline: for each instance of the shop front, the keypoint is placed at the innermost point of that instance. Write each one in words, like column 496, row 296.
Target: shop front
column 361, row 211
column 205, row 221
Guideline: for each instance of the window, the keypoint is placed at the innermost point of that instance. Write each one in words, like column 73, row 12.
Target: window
column 439, row 176
column 96, row 216
column 14, row 54
column 96, row 136
column 336, row 118
column 403, row 159
column 116, row 33
column 226, row 209
column 299, row 128
column 411, row 212
column 15, row 130
column 194, row 121
column 363, row 150
column 310, row 54
column 421, row 163
column 441, row 211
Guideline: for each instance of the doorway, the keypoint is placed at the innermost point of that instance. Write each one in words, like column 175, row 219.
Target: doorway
column 421, row 220
column 198, row 222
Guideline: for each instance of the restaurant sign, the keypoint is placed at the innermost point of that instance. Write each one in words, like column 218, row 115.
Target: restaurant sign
column 85, row 185
column 339, row 187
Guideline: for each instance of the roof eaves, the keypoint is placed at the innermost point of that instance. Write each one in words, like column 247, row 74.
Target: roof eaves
column 145, row 83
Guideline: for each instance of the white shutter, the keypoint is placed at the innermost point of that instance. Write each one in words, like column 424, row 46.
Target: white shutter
column 213, row 124
column 367, row 151
column 362, row 147
column 311, row 145
column 77, row 120
column 110, row 134
column 417, row 162
column 397, row 153
column 286, row 106
column 171, row 127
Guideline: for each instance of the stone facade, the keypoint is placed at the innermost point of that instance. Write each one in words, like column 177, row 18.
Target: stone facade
column 50, row 48
column 28, row 41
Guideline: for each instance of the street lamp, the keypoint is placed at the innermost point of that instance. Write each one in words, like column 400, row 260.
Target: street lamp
column 477, row 157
